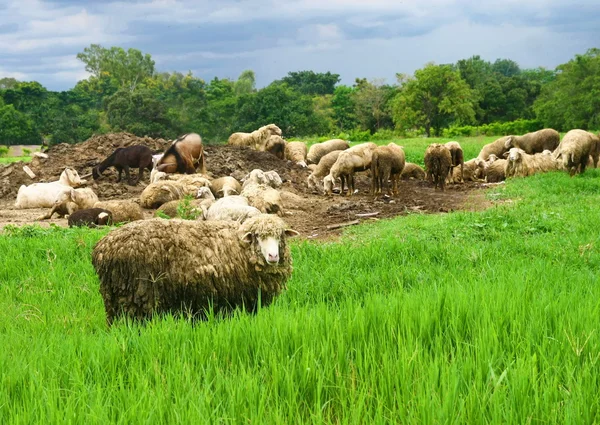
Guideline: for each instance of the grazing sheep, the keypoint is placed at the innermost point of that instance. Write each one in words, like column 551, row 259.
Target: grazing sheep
column 521, row 164
column 257, row 139
column 312, row 167
column 438, row 162
column 90, row 217
column 70, row 201
column 319, row 150
column 296, row 152
column 575, row 149
column 263, row 197
column 457, row 159
column 122, row 211
column 387, row 163
column 356, row 158
column 497, row 147
column 231, row 208
column 321, row 170
column 156, row 194
column 225, row 186
column 412, row 171
column 535, row 142
column 136, row 156
column 494, row 169
column 268, row 178
column 276, row 146
column 43, row 195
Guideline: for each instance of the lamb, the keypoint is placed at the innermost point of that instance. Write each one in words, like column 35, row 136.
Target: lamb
column 319, row 150
column 43, row 195
column 296, row 152
column 264, row 198
column 387, row 163
column 181, row 266
column 276, row 146
column 70, row 201
column 497, row 147
column 90, row 217
column 457, row 159
column 257, row 139
column 156, row 194
column 438, row 162
column 231, row 208
column 536, row 142
column 521, row 164
column 268, row 178
column 412, row 171
column 122, row 211
column 225, row 186
column 321, row 170
column 575, row 149
column 356, row 158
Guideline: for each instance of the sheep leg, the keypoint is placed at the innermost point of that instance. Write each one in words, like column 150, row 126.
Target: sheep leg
column 120, row 170
column 128, row 175
column 350, row 184
column 462, row 175
column 140, row 175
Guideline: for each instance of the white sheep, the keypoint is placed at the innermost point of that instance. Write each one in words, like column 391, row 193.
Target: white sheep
column 257, row 139
column 321, row 170
column 268, row 178
column 521, row 164
column 231, row 208
column 156, row 194
column 356, row 158
column 43, row 195
column 263, row 197
column 575, row 149
column 319, row 150
column 296, row 152
column 225, row 186
column 70, row 201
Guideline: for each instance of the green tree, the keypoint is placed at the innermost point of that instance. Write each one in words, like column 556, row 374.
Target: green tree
column 436, row 97
column 372, row 104
column 17, row 128
column 7, row 83
column 139, row 113
column 572, row 99
column 312, row 83
column 245, row 83
column 344, row 108
column 128, row 68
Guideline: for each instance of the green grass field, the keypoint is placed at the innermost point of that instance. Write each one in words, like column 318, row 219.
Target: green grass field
column 467, row 317
column 9, row 159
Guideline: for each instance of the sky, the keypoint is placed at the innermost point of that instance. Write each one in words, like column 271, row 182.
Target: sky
column 374, row 39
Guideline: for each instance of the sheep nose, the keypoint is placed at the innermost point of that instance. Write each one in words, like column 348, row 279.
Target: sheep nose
column 273, row 258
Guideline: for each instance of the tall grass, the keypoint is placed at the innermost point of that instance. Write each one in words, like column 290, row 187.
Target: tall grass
column 10, row 159
column 470, row 317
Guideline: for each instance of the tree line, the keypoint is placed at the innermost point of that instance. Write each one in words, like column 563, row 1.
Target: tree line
column 126, row 93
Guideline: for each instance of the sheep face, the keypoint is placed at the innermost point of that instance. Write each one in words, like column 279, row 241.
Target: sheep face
column 274, row 130
column 70, row 177
column 103, row 219
column 269, row 246
column 328, row 183
column 204, row 193
column 515, row 154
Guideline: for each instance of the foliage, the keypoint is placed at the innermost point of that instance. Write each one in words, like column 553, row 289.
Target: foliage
column 494, row 129
column 436, row 97
column 372, row 104
column 344, row 108
column 186, row 211
column 3, row 151
column 17, row 128
column 246, row 83
column 312, row 83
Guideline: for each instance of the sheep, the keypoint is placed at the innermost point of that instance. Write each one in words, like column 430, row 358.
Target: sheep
column 257, row 139
column 43, row 195
column 535, row 142
column 136, row 156
column 182, row 266
column 438, row 162
column 472, row 170
column 457, row 159
column 575, row 148
column 319, row 150
column 156, row 194
column 497, row 147
column 122, row 211
column 387, row 163
column 70, row 201
column 257, row 176
column 494, row 169
column 90, row 217
column 296, row 152
column 321, row 170
column 412, row 171
column 312, row 167
column 233, row 208
column 356, row 158
column 204, row 199
column 263, row 197
column 225, row 186
column 521, row 164
column 276, row 146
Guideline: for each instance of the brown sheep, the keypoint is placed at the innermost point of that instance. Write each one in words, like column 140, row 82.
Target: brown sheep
column 356, row 158
column 321, row 170
column 497, row 147
column 122, row 211
column 575, row 149
column 457, row 159
column 257, row 139
column 535, row 142
column 438, row 162
column 319, row 150
column 412, row 171
column 225, row 186
column 495, row 170
column 276, row 146
column 182, row 266
column 296, row 152
column 472, row 171
column 387, row 163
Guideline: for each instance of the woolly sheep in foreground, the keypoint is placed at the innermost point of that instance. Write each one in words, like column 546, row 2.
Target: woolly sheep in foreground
column 535, row 142
column 575, row 148
column 70, row 201
column 268, row 178
column 225, row 186
column 43, row 195
column 231, row 208
column 263, row 197
column 276, row 146
column 90, row 217
column 321, row 170
column 257, row 139
column 387, row 163
column 190, row 267
column 319, row 150
column 122, row 211
column 296, row 152
column 458, row 158
column 412, row 171
column 438, row 162
column 356, row 158
column 521, row 164
column 497, row 147
column 156, row 194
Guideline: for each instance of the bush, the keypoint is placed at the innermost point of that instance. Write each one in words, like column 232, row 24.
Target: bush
column 384, row 134
column 494, row 129
column 359, row 135
column 3, row 151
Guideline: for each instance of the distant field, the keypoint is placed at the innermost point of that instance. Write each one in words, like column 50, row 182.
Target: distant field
column 469, row 317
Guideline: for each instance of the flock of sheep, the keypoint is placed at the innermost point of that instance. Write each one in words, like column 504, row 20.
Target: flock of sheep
column 236, row 254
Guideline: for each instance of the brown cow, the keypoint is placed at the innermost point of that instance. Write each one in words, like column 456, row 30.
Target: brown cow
column 184, row 155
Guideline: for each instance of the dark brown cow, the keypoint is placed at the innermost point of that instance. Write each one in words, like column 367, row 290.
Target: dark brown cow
column 185, row 156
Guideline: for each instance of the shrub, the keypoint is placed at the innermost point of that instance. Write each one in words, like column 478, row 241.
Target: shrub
column 494, row 129
column 3, row 151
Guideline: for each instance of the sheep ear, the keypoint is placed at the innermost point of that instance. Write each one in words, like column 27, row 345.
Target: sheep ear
column 234, row 191
column 508, row 143
column 506, row 154
column 247, row 237
column 291, row 233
